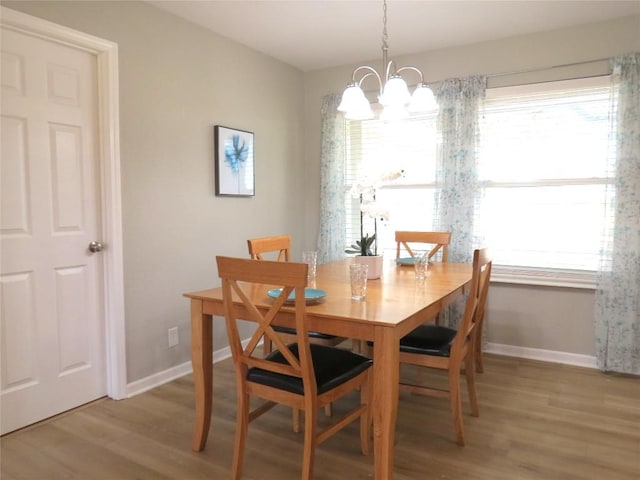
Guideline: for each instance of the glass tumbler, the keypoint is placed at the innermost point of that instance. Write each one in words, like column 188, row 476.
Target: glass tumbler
column 358, row 273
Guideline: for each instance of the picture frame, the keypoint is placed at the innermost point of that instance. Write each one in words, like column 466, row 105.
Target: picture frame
column 234, row 162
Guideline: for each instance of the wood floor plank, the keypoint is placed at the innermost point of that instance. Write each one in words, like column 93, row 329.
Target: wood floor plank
column 538, row 421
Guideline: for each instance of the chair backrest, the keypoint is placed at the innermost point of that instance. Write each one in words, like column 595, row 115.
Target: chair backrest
column 484, row 292
column 439, row 240
column 239, row 278
column 474, row 308
column 279, row 243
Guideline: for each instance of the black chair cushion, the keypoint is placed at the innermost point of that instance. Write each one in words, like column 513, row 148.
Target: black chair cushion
column 429, row 340
column 292, row 331
column 333, row 366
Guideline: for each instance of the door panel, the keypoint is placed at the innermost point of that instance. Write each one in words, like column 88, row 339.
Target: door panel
column 53, row 329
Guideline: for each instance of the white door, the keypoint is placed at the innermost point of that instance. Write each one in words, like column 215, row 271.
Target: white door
column 52, row 285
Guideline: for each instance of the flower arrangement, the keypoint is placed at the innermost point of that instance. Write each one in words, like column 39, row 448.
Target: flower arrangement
column 365, row 190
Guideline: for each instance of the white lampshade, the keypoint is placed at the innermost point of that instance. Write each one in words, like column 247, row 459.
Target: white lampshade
column 395, row 93
column 423, row 99
column 355, row 104
column 351, row 97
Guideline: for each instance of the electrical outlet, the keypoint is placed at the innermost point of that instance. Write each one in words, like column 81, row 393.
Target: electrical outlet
column 173, row 337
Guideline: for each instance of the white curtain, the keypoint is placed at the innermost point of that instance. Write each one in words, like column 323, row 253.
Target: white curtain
column 331, row 237
column 617, row 309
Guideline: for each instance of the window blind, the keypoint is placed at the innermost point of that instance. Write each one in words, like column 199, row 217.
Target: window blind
column 543, row 168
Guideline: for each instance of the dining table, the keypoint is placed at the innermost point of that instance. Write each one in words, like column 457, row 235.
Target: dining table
column 395, row 304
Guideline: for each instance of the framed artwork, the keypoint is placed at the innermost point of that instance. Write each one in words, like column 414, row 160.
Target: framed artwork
column 235, row 169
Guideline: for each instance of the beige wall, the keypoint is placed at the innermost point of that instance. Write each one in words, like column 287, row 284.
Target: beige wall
column 535, row 317
column 177, row 81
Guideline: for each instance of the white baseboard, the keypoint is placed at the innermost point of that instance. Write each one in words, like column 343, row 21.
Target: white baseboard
column 157, row 379
column 552, row 356
column 166, row 376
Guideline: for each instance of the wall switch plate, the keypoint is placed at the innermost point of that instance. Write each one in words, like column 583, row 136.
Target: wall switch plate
column 173, row 337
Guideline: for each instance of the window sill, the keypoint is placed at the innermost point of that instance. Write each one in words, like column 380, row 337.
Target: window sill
column 547, row 278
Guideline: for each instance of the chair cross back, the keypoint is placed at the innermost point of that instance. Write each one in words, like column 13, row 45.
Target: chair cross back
column 440, row 240
column 282, row 245
column 292, row 277
column 279, row 243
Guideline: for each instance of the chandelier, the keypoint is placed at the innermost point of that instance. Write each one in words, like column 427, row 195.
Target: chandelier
column 394, row 94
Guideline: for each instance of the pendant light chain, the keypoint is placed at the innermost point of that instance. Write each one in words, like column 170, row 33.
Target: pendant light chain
column 394, row 94
column 385, row 38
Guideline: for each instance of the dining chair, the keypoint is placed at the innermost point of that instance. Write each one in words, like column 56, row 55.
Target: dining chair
column 444, row 348
column 279, row 247
column 302, row 375
column 477, row 347
column 280, row 244
column 439, row 240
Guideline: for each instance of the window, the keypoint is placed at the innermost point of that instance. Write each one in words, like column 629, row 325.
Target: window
column 543, row 172
column 375, row 147
column 543, row 177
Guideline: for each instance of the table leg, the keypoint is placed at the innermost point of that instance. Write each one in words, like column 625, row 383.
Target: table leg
column 202, row 363
column 386, row 373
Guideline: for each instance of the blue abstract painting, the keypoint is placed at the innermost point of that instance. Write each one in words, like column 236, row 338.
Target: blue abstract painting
column 235, row 152
column 234, row 162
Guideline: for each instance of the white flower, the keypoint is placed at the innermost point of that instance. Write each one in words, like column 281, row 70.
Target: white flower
column 375, row 211
column 366, row 186
column 365, row 190
column 362, row 188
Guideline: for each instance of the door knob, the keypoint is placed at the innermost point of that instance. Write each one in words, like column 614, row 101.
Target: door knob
column 95, row 247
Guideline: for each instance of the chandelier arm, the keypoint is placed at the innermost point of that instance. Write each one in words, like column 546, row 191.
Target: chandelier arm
column 411, row 68
column 370, row 72
column 391, row 69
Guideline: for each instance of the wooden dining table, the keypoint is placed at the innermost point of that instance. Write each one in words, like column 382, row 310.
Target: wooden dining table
column 394, row 305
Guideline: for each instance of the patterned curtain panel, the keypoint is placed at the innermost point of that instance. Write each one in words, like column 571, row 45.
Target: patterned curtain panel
column 331, row 238
column 460, row 102
column 617, row 309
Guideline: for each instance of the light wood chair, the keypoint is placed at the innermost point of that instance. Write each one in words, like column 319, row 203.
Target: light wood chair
column 302, row 375
column 279, row 247
column 439, row 240
column 281, row 244
column 477, row 348
column 443, row 348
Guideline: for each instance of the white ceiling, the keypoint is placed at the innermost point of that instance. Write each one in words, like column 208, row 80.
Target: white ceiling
column 312, row 34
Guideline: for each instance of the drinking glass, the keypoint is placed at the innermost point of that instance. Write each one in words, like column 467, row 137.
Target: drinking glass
column 310, row 257
column 358, row 273
column 421, row 266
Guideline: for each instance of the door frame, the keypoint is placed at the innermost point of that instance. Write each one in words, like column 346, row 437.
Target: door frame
column 106, row 53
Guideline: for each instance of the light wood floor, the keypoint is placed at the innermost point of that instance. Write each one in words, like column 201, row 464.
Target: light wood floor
column 537, row 421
